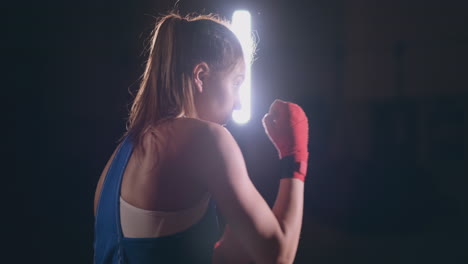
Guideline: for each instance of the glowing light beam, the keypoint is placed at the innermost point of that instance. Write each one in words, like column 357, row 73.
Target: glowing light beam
column 241, row 26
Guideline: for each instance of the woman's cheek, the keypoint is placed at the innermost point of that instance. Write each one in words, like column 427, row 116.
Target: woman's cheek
column 223, row 99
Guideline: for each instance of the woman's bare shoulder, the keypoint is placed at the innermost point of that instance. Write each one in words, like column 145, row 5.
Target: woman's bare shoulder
column 189, row 135
column 209, row 140
column 197, row 123
column 201, row 129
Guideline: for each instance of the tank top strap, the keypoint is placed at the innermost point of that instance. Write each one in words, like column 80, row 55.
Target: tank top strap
column 108, row 211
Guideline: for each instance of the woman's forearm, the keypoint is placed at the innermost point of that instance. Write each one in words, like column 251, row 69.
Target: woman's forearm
column 288, row 209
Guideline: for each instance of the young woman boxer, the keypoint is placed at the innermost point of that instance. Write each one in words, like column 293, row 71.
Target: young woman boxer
column 155, row 200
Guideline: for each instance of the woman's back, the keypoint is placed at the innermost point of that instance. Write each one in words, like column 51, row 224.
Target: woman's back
column 162, row 168
column 151, row 185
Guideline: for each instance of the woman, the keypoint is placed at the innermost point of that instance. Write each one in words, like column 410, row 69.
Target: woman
column 155, row 200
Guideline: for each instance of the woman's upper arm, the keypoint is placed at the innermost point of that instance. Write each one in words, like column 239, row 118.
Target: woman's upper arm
column 225, row 175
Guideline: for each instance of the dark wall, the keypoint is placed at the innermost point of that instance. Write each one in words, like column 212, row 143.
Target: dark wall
column 383, row 83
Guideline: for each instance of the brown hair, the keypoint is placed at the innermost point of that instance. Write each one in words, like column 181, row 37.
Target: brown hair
column 177, row 45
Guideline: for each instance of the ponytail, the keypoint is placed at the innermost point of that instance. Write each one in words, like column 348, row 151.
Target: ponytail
column 177, row 45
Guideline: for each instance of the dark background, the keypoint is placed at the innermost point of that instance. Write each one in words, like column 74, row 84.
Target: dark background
column 384, row 84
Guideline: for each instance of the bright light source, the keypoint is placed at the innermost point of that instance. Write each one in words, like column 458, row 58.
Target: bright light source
column 241, row 26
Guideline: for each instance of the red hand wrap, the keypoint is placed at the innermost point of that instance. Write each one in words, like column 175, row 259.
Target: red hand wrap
column 288, row 129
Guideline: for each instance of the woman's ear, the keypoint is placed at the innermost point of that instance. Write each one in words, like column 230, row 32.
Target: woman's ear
column 200, row 72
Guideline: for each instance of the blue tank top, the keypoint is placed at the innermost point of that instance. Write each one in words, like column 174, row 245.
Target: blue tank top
column 194, row 245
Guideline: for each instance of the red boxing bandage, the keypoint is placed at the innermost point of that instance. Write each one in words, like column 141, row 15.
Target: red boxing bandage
column 291, row 168
column 288, row 129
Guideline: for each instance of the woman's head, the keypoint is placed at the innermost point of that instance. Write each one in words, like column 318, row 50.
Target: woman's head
column 194, row 68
